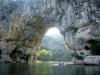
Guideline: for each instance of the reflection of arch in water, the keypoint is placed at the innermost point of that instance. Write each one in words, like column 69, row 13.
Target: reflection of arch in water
column 22, row 69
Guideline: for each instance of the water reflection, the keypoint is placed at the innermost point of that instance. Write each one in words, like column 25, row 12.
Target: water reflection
column 48, row 69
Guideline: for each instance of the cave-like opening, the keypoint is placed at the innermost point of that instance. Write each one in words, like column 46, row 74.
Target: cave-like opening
column 53, row 42
column 95, row 47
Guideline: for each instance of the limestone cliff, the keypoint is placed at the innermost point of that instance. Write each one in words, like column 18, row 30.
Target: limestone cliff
column 24, row 22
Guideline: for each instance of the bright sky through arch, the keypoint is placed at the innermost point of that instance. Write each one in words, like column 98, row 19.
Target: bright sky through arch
column 53, row 31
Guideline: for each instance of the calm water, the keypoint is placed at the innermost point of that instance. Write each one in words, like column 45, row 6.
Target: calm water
column 47, row 69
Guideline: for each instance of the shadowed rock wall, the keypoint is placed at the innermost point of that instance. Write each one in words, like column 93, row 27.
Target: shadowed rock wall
column 24, row 22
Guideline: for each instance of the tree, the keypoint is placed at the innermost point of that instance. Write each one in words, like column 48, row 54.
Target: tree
column 44, row 55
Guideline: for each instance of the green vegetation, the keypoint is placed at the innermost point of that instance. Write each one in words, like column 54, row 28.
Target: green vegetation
column 62, row 57
column 48, row 55
column 58, row 48
column 44, row 55
column 79, row 57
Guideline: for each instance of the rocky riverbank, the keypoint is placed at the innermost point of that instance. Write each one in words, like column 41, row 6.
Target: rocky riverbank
column 89, row 60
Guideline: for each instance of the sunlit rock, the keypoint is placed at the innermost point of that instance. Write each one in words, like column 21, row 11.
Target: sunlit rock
column 24, row 22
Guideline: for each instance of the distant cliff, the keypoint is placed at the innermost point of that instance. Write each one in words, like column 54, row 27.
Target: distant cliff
column 56, row 45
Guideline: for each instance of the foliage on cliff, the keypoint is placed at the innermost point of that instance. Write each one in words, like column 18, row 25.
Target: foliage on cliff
column 57, row 46
column 44, row 55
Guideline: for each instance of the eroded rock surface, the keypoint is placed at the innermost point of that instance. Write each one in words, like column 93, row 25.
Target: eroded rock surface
column 24, row 22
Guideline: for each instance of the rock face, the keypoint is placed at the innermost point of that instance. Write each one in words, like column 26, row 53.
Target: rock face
column 24, row 22
column 92, row 60
column 20, row 32
column 80, row 23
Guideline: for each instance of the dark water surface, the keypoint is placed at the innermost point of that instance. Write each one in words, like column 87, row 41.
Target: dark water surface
column 48, row 69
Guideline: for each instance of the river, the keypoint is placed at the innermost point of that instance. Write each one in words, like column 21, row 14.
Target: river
column 48, row 69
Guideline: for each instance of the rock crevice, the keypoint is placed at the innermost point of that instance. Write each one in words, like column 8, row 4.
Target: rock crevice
column 24, row 22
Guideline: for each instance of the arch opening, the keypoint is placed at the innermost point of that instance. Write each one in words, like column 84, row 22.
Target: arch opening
column 54, row 45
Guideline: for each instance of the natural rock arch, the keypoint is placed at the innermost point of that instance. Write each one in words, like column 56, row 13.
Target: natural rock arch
column 24, row 22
